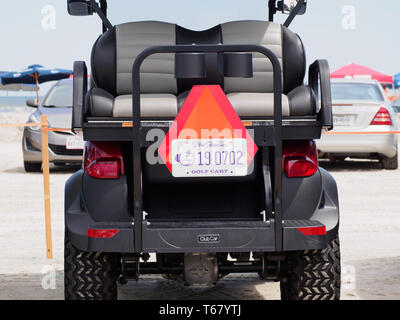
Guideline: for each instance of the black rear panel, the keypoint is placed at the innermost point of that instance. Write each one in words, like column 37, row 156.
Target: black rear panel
column 169, row 198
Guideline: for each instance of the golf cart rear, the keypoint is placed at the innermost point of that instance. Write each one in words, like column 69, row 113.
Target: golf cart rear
column 275, row 213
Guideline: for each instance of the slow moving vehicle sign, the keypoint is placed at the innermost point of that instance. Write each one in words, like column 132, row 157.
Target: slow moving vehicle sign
column 207, row 138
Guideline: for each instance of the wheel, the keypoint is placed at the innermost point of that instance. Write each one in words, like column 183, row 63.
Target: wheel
column 89, row 275
column 32, row 166
column 312, row 275
column 390, row 163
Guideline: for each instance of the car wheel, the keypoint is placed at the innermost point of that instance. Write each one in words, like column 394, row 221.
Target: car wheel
column 89, row 275
column 312, row 275
column 390, row 163
column 32, row 166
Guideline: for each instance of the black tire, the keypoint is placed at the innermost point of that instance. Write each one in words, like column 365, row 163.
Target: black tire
column 32, row 166
column 390, row 163
column 312, row 275
column 90, row 275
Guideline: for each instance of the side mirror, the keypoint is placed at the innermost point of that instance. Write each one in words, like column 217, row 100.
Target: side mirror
column 289, row 5
column 80, row 8
column 32, row 103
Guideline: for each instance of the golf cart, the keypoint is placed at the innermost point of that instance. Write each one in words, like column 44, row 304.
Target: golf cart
column 247, row 196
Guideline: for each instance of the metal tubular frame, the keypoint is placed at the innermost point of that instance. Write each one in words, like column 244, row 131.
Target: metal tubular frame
column 137, row 141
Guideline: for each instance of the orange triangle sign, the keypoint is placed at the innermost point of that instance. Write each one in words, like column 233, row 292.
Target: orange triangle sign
column 207, row 137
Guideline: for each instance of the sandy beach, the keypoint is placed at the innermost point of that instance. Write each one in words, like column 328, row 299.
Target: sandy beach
column 20, row 116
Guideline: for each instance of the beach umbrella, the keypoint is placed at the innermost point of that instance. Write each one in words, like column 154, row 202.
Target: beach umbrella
column 16, row 86
column 35, row 75
column 396, row 78
column 355, row 71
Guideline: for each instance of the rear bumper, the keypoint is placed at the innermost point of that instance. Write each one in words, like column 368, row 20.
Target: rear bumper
column 190, row 236
column 383, row 144
column 240, row 236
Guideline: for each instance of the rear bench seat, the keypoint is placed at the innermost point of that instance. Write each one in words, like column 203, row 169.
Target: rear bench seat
column 163, row 95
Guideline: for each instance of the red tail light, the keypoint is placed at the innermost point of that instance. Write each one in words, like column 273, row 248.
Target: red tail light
column 300, row 158
column 382, row 118
column 313, row 231
column 102, row 233
column 103, row 160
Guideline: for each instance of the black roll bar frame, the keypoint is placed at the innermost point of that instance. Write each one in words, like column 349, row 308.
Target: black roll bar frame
column 137, row 141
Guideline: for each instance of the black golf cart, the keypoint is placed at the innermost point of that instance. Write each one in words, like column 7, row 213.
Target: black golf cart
column 279, row 218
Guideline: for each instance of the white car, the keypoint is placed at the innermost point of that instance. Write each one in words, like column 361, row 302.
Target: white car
column 360, row 107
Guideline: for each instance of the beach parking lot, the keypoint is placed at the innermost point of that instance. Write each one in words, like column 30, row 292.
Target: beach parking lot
column 369, row 233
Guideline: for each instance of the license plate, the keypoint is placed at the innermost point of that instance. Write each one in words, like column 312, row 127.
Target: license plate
column 75, row 143
column 209, row 157
column 343, row 120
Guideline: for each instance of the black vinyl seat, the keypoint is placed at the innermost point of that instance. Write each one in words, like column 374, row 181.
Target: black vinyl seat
column 163, row 95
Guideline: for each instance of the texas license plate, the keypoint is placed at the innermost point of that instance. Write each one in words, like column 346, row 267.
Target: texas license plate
column 75, row 143
column 209, row 157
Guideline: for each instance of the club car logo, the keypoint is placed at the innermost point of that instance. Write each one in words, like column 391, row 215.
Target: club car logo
column 208, row 238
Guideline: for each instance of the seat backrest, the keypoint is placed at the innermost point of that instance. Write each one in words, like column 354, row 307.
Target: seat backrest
column 285, row 44
column 115, row 51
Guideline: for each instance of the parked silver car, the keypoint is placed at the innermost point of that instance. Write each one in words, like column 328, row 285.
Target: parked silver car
column 64, row 147
column 359, row 107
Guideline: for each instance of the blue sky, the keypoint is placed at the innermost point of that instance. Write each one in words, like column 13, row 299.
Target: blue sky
column 372, row 39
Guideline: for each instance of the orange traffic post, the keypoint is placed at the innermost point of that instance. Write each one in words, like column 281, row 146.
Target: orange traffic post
column 46, row 184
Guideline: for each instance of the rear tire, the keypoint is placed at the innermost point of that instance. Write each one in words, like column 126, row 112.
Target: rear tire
column 32, row 166
column 312, row 275
column 89, row 275
column 390, row 163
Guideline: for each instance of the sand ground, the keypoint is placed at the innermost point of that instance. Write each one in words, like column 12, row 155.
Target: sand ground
column 369, row 233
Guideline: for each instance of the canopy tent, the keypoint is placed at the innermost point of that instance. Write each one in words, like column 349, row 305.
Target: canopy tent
column 355, row 71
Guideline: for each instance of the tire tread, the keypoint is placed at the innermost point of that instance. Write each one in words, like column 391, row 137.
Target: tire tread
column 313, row 274
column 89, row 275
